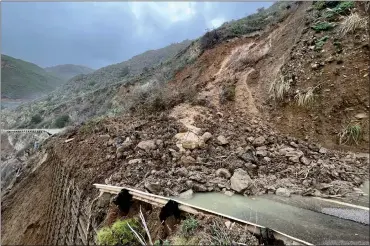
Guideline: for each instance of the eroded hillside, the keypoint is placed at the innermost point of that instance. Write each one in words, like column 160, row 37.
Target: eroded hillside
column 256, row 112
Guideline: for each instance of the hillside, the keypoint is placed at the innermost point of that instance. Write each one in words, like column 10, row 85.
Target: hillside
column 275, row 104
column 68, row 71
column 25, row 80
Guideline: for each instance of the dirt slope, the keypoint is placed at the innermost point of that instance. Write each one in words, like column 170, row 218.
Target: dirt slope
column 225, row 137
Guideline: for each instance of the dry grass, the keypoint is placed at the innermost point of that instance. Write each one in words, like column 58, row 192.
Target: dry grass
column 279, row 88
column 350, row 134
column 351, row 23
column 305, row 99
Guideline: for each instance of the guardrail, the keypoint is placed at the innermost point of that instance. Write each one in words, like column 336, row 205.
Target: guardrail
column 160, row 201
column 48, row 131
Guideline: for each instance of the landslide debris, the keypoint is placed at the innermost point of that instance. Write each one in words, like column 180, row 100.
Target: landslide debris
column 145, row 153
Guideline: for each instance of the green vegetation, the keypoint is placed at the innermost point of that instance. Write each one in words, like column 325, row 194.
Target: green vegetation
column 36, row 119
column 119, row 233
column 68, row 71
column 25, row 80
column 351, row 134
column 320, row 43
column 61, row 121
column 341, row 8
column 228, row 93
column 252, row 23
column 322, row 26
column 189, row 225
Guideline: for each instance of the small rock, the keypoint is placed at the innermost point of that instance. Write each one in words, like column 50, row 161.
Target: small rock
column 361, row 116
column 305, row 161
column 119, row 156
column 293, row 144
column 261, row 153
column 206, row 136
column 240, row 180
column 228, row 224
column 222, row 140
column 182, row 172
column 104, row 200
column 229, row 193
column 189, row 183
column 322, row 150
column 186, row 195
column 135, row 161
column 147, row 145
column 153, row 187
column 223, row 172
column 259, row 141
column 199, row 188
column 267, row 159
column 283, row 192
column 248, row 156
column 250, row 139
column 124, row 146
column 187, row 160
column 294, row 159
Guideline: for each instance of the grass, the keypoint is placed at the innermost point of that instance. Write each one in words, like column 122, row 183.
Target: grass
column 279, row 88
column 351, row 23
column 305, row 99
column 118, row 233
column 189, row 225
column 350, row 134
column 322, row 26
column 320, row 43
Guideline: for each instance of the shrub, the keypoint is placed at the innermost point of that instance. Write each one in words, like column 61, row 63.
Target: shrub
column 279, row 88
column 119, row 233
column 320, row 43
column 189, row 225
column 209, row 39
column 350, row 134
column 228, row 93
column 320, row 5
column 307, row 98
column 61, row 121
column 36, row 119
column 322, row 26
column 105, row 236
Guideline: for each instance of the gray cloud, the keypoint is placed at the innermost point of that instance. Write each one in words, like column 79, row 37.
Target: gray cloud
column 100, row 34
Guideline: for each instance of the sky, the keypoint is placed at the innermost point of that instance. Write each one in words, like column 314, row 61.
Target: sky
column 97, row 34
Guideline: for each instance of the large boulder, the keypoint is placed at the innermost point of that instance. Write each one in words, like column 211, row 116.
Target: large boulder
column 240, row 180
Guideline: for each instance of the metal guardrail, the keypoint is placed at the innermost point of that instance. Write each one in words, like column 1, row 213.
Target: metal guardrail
column 161, row 201
column 48, row 131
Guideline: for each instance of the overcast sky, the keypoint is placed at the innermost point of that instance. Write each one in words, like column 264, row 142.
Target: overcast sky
column 100, row 34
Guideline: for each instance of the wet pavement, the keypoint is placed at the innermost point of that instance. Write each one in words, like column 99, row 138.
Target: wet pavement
column 313, row 220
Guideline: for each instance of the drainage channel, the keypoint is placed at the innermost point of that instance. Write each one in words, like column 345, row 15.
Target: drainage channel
column 160, row 201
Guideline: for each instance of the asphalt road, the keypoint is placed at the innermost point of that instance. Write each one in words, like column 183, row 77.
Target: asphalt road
column 309, row 219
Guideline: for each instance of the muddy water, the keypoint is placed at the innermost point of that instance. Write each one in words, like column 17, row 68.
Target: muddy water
column 296, row 221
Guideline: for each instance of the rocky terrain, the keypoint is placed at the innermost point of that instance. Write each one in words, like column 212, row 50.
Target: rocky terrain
column 273, row 109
